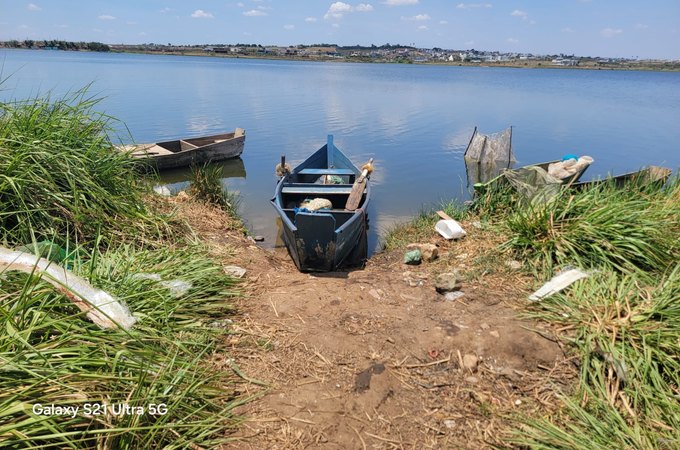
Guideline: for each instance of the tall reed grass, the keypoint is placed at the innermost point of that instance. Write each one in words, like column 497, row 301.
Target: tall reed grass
column 61, row 178
column 626, row 330
column 51, row 354
column 629, row 229
column 206, row 185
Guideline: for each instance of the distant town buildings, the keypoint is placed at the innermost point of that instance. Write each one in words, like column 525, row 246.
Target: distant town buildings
column 384, row 53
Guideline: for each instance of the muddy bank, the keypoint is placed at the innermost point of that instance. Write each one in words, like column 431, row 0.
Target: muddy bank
column 376, row 358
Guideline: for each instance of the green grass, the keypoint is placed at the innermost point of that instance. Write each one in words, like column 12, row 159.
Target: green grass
column 625, row 329
column 51, row 353
column 421, row 227
column 623, row 229
column 61, row 181
column 206, row 185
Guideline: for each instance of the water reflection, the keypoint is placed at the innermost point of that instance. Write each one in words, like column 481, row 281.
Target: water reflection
column 178, row 179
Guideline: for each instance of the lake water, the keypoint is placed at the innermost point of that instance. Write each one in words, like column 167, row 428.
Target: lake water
column 414, row 120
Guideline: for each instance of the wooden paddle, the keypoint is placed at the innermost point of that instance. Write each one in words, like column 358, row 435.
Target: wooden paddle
column 358, row 189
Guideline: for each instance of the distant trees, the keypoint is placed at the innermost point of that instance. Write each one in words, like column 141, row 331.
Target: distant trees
column 58, row 45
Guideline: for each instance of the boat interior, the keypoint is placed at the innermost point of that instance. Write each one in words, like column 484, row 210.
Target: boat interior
column 294, row 194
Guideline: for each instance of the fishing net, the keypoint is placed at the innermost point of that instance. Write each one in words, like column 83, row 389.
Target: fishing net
column 533, row 183
column 491, row 149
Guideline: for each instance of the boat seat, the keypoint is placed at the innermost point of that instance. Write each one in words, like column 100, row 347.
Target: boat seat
column 326, row 172
column 317, row 189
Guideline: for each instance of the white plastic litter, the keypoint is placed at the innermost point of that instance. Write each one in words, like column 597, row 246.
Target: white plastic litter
column 162, row 190
column 234, row 271
column 450, row 229
column 99, row 306
column 557, row 283
column 177, row 288
column 147, row 276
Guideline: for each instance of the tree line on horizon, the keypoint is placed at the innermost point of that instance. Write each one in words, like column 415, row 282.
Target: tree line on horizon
column 58, row 45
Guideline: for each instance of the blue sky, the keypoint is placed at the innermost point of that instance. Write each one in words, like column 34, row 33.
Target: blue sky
column 613, row 28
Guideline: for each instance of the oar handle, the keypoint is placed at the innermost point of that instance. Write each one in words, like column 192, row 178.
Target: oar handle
column 364, row 173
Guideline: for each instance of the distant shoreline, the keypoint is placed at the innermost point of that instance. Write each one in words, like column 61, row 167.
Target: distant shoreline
column 587, row 64
column 661, row 67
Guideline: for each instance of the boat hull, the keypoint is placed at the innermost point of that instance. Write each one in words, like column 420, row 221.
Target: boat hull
column 649, row 176
column 328, row 239
column 186, row 152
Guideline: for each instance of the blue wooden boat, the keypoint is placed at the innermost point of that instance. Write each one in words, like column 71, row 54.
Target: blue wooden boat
column 327, row 239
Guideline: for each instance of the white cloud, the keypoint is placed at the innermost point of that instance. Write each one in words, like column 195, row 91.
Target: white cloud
column 400, row 2
column 473, row 5
column 106, row 17
column 240, row 4
column 641, row 26
column 364, row 7
column 200, row 14
column 34, row 7
column 289, row 27
column 443, row 22
column 610, row 32
column 254, row 12
column 513, row 40
column 419, row 17
column 166, row 10
column 337, row 10
column 263, row 8
column 567, row 30
column 522, row 14
column 311, row 19
column 422, row 27
column 336, row 25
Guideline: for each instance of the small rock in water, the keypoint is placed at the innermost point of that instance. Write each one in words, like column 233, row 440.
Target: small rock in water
column 413, row 257
column 447, row 282
column 258, row 238
column 234, row 271
column 451, row 296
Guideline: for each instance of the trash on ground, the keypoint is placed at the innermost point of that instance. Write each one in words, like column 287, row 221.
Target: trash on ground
column 412, row 257
column 448, row 228
column 454, row 295
column 177, row 288
column 234, row 271
column 162, row 190
column 99, row 306
column 557, row 283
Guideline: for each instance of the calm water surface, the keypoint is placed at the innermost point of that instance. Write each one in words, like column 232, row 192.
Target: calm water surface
column 414, row 120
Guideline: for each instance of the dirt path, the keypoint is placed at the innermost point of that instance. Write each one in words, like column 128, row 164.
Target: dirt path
column 376, row 358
